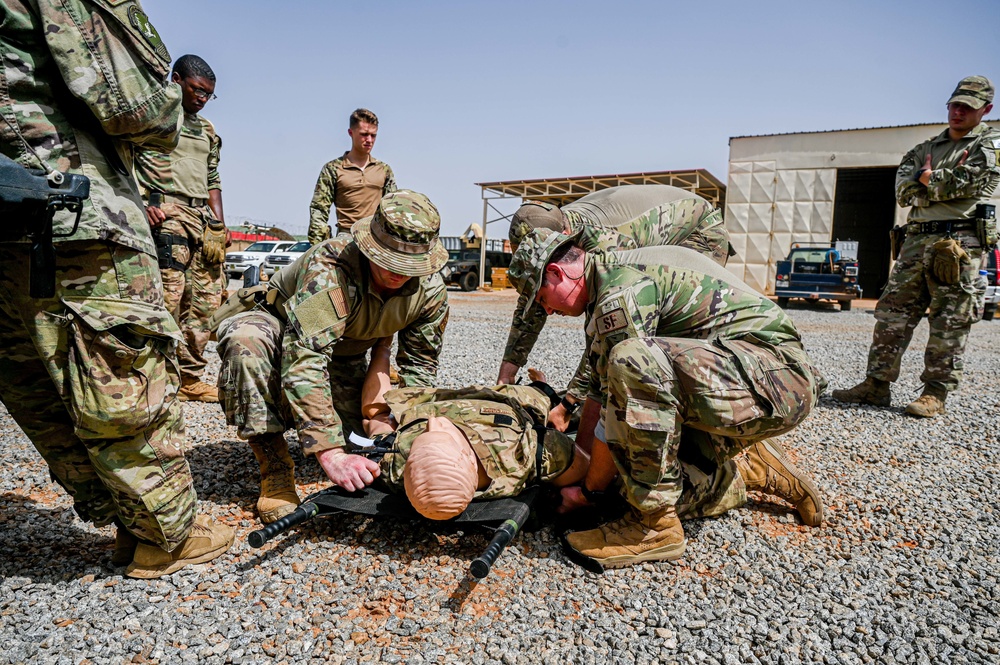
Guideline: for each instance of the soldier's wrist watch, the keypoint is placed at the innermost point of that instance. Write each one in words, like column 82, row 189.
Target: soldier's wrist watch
column 592, row 496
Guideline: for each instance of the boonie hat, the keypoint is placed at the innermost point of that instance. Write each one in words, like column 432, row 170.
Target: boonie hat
column 527, row 266
column 534, row 215
column 973, row 91
column 402, row 235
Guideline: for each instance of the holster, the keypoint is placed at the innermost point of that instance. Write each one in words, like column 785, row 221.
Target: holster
column 896, row 237
column 165, row 250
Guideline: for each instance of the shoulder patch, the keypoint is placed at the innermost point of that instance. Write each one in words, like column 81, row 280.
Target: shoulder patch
column 339, row 302
column 140, row 22
column 610, row 321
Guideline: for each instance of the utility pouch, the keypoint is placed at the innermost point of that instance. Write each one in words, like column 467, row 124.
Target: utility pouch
column 986, row 225
column 896, row 237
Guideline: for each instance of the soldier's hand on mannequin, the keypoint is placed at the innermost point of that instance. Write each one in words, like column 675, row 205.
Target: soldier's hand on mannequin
column 351, row 472
column 155, row 216
column 572, row 499
column 559, row 417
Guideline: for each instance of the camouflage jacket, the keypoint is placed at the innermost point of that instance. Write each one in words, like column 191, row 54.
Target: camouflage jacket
column 191, row 170
column 954, row 188
column 355, row 193
column 331, row 310
column 498, row 424
column 653, row 228
column 87, row 77
column 672, row 292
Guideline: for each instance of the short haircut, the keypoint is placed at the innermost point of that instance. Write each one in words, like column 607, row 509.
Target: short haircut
column 363, row 115
column 192, row 66
column 568, row 253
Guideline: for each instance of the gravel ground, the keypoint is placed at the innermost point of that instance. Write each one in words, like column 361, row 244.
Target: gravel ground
column 904, row 570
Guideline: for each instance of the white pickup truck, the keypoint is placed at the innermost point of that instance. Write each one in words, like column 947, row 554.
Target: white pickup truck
column 254, row 255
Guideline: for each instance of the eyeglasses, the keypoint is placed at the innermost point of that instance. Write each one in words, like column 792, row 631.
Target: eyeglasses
column 203, row 94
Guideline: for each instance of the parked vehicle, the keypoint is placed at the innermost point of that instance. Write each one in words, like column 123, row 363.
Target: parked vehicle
column 462, row 268
column 254, row 255
column 275, row 261
column 992, row 284
column 818, row 272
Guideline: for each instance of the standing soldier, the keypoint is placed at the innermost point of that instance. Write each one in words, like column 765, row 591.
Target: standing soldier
column 678, row 342
column 354, row 182
column 183, row 195
column 300, row 357
column 89, row 373
column 626, row 217
column 947, row 180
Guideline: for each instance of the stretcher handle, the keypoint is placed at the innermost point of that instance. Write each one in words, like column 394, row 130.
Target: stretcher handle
column 303, row 513
column 481, row 565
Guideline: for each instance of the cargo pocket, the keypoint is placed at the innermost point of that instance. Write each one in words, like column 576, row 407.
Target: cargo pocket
column 122, row 373
column 765, row 372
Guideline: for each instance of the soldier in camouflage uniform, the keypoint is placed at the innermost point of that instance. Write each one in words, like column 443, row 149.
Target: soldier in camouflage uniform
column 678, row 341
column 299, row 359
column 943, row 179
column 90, row 374
column 626, row 217
column 187, row 224
column 354, row 182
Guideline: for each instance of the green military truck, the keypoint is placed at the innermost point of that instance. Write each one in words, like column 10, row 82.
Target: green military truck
column 462, row 268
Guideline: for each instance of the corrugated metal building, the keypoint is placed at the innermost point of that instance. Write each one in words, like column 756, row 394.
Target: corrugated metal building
column 816, row 187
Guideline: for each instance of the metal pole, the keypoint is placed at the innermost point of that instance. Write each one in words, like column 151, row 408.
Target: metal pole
column 482, row 246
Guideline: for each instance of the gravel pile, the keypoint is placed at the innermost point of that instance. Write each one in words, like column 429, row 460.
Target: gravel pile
column 904, row 570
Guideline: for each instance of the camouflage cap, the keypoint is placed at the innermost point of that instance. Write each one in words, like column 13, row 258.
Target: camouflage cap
column 973, row 91
column 402, row 235
column 534, row 215
column 527, row 266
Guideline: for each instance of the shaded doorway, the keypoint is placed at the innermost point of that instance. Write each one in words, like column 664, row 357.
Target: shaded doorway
column 864, row 209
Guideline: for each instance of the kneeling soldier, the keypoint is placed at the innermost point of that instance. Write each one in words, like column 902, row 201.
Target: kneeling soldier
column 678, row 342
column 299, row 357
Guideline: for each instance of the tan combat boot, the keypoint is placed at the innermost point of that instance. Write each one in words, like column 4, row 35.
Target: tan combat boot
column 929, row 404
column 198, row 391
column 125, row 546
column 277, row 477
column 765, row 468
column 637, row 537
column 870, row 391
column 207, row 540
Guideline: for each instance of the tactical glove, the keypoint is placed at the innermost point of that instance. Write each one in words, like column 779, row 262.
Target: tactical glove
column 213, row 241
column 948, row 259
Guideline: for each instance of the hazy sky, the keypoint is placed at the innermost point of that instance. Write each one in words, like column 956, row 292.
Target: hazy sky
column 470, row 92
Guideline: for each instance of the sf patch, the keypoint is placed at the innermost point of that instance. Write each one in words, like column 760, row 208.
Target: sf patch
column 611, row 321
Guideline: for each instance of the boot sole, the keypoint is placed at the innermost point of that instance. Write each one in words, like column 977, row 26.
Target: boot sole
column 669, row 553
column 174, row 566
column 275, row 514
column 807, row 484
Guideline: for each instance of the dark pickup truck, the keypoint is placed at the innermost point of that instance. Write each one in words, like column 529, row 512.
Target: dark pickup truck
column 818, row 272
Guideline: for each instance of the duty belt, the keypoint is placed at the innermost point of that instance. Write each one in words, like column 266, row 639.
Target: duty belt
column 189, row 201
column 940, row 226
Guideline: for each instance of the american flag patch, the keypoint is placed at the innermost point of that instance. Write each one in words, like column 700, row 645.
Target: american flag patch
column 339, row 303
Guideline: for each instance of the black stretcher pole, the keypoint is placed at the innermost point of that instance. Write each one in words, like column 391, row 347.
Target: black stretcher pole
column 303, row 513
column 505, row 533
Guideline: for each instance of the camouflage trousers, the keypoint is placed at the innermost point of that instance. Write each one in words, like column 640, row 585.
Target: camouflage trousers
column 737, row 391
column 91, row 377
column 951, row 311
column 191, row 295
column 250, row 380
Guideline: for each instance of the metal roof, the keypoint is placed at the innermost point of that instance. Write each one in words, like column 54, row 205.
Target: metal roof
column 561, row 191
column 992, row 123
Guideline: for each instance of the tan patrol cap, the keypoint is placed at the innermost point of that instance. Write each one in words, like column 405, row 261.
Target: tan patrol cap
column 534, row 215
column 973, row 91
